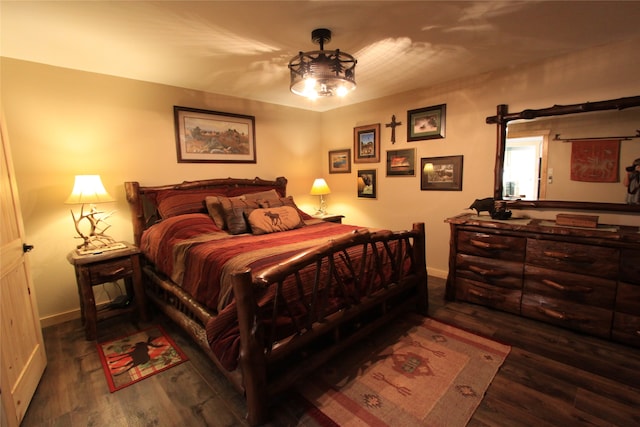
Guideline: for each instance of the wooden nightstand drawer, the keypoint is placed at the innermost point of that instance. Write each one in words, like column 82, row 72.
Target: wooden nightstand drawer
column 110, row 271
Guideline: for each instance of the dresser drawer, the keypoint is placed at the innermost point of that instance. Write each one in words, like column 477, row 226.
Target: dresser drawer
column 574, row 257
column 492, row 245
column 628, row 298
column 630, row 266
column 110, row 271
column 592, row 320
column 626, row 328
column 505, row 274
column 491, row 296
column 573, row 287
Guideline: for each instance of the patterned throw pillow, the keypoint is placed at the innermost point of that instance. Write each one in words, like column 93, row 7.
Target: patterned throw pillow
column 271, row 220
column 233, row 209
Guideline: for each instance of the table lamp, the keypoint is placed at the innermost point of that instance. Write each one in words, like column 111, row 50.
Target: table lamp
column 320, row 188
column 88, row 189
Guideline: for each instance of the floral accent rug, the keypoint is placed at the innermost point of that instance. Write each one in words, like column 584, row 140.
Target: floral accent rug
column 135, row 357
column 417, row 372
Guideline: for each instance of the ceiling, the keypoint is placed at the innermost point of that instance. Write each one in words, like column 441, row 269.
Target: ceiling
column 242, row 48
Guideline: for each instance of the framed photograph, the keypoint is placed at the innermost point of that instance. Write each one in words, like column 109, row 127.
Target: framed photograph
column 366, row 144
column 213, row 137
column 367, row 183
column 426, row 123
column 401, row 162
column 340, row 161
column 441, row 173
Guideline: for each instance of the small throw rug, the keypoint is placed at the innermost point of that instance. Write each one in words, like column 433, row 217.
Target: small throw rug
column 417, row 372
column 140, row 355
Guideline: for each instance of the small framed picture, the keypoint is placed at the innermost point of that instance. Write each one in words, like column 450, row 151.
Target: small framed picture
column 367, row 183
column 366, row 144
column 426, row 123
column 441, row 173
column 401, row 162
column 204, row 136
column 340, row 161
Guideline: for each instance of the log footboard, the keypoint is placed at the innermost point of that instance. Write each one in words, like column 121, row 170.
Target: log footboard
column 271, row 365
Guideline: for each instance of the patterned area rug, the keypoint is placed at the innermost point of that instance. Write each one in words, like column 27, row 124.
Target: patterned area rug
column 431, row 374
column 135, row 357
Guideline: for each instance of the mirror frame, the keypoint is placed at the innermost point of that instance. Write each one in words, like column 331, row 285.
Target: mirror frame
column 503, row 117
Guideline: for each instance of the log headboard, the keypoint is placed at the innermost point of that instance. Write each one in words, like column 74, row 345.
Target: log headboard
column 143, row 200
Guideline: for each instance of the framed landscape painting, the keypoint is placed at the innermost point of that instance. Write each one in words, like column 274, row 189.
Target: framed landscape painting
column 204, row 136
column 366, row 144
column 340, row 161
column 367, row 183
column 401, row 162
column 441, row 173
column 426, row 123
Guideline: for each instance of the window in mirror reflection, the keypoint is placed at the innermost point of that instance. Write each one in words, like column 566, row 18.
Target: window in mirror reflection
column 522, row 164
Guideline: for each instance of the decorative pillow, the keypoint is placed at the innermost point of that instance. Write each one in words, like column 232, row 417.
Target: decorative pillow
column 283, row 201
column 233, row 209
column 270, row 220
column 180, row 202
column 214, row 207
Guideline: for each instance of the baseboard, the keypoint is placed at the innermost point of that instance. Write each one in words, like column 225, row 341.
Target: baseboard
column 59, row 318
column 440, row 274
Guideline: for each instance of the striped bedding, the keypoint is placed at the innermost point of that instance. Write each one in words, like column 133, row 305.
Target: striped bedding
column 199, row 257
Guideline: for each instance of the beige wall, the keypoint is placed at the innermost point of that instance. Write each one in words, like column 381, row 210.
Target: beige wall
column 62, row 123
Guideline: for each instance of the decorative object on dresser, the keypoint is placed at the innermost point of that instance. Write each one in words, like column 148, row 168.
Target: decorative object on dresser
column 281, row 306
column 320, row 188
column 585, row 279
column 97, row 268
column 88, row 189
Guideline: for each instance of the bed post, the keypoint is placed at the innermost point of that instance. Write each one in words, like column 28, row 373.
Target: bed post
column 132, row 190
column 419, row 254
column 252, row 358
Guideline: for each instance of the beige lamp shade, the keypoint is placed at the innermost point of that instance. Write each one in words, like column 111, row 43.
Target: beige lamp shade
column 319, row 187
column 88, row 189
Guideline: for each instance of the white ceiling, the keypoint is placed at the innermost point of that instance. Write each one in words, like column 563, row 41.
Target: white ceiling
column 242, row 48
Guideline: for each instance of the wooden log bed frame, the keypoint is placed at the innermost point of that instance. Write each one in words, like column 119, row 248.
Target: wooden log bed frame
column 266, row 366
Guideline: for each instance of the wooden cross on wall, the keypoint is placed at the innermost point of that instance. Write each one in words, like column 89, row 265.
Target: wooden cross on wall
column 393, row 125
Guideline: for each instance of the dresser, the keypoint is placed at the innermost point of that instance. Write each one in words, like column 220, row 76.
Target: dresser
column 585, row 279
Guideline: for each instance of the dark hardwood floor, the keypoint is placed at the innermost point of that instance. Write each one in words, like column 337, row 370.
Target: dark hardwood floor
column 552, row 377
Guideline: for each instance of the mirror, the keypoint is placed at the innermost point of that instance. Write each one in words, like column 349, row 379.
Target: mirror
column 557, row 127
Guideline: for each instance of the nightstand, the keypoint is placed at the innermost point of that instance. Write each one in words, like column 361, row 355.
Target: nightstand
column 330, row 218
column 108, row 266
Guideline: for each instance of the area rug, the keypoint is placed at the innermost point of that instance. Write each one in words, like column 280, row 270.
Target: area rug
column 418, row 372
column 134, row 357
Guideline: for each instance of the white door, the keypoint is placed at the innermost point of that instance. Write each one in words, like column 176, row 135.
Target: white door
column 22, row 353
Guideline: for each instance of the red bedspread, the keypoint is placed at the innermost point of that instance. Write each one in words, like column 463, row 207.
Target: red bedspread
column 199, row 257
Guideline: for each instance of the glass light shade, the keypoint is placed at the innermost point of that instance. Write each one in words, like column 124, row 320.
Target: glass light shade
column 319, row 187
column 88, row 189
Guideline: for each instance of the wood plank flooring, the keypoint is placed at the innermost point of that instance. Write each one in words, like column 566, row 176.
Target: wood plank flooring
column 552, row 377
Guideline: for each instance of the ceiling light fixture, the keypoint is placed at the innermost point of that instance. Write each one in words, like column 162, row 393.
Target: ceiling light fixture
column 322, row 72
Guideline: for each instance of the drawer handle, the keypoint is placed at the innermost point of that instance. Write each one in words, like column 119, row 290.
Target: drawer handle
column 560, row 315
column 568, row 257
column 485, row 245
column 564, row 288
column 486, row 273
column 114, row 272
column 482, row 295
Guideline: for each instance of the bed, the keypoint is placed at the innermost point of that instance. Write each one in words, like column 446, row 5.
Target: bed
column 268, row 292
